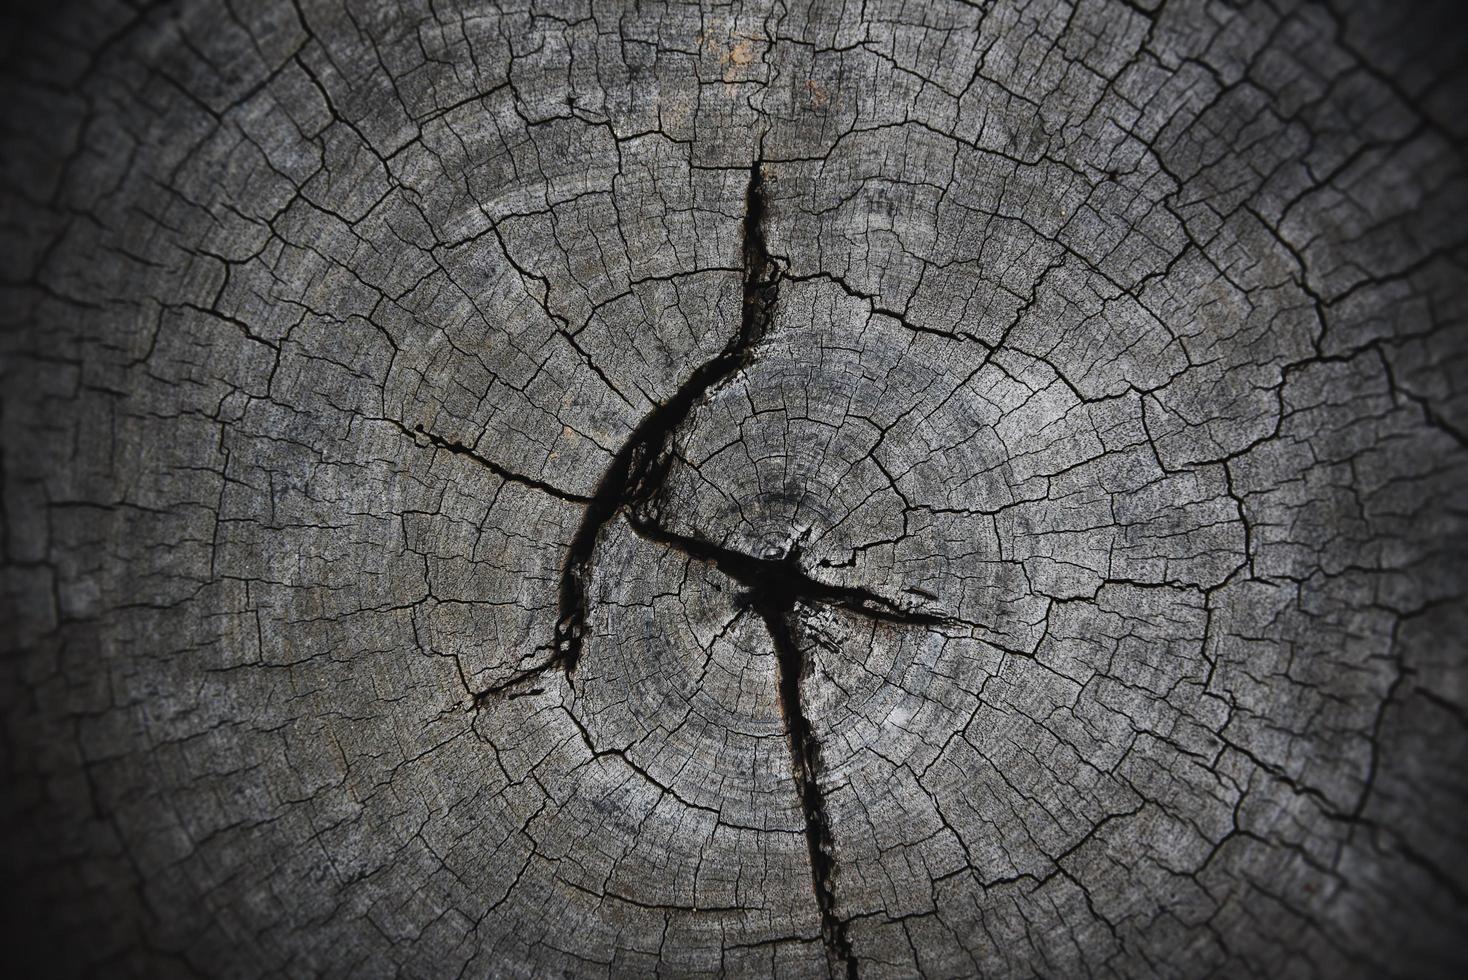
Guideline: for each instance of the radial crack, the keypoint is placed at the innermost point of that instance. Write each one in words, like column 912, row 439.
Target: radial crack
column 459, row 449
column 632, row 480
column 789, row 576
column 775, row 606
column 639, row 467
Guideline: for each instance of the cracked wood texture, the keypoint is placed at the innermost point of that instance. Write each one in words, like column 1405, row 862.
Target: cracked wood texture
column 750, row 489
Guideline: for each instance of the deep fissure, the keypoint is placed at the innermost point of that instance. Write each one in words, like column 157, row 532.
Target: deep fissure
column 773, row 586
column 640, row 466
column 788, row 575
column 775, row 603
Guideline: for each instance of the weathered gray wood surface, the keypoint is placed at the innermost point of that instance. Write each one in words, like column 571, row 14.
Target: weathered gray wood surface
column 882, row 489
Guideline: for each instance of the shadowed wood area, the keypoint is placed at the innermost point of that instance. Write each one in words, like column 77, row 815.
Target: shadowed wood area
column 827, row 490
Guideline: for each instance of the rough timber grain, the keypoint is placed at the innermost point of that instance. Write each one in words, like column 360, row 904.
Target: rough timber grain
column 750, row 489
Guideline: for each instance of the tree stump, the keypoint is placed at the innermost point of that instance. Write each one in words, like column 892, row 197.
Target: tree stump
column 886, row 489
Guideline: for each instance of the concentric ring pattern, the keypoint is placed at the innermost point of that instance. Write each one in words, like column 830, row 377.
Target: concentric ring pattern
column 846, row 489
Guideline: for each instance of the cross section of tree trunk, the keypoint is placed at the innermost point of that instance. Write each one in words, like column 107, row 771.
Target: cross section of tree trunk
column 873, row 489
